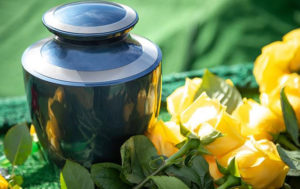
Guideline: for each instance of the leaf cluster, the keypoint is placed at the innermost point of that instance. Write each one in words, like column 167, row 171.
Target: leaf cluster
column 288, row 141
column 143, row 167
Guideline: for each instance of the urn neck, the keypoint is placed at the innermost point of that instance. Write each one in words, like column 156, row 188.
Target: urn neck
column 97, row 41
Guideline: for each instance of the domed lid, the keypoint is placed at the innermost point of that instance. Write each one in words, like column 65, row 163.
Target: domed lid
column 90, row 19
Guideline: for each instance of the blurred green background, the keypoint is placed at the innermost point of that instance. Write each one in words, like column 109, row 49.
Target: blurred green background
column 192, row 34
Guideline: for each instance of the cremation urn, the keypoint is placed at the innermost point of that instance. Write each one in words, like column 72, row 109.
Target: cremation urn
column 92, row 84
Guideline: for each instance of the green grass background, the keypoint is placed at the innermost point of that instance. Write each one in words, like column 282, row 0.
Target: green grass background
column 192, row 34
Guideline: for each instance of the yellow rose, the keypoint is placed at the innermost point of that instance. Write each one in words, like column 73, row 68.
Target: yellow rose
column 259, row 164
column 291, row 83
column 275, row 68
column 3, row 183
column 183, row 96
column 258, row 120
column 273, row 63
column 295, row 37
column 276, row 60
column 205, row 114
column 213, row 168
column 165, row 136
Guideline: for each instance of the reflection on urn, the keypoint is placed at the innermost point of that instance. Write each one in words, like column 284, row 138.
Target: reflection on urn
column 52, row 128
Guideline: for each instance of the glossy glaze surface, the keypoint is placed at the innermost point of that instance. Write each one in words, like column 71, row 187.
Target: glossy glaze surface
column 93, row 63
column 89, row 124
column 90, row 91
column 92, row 57
column 90, row 14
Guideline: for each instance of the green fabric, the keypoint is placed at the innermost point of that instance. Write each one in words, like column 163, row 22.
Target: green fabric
column 39, row 174
column 192, row 34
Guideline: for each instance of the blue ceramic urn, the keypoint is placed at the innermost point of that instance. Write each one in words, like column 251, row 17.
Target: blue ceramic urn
column 92, row 84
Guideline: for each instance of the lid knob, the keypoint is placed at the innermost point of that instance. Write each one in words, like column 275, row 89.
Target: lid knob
column 90, row 20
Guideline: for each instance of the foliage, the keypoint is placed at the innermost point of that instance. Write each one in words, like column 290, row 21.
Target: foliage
column 220, row 89
column 75, row 176
column 17, row 148
column 17, row 144
column 290, row 118
column 142, row 166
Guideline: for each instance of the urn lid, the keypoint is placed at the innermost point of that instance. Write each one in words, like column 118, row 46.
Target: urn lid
column 91, row 46
column 90, row 19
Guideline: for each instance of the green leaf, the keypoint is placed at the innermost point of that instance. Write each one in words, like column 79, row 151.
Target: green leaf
column 202, row 150
column 232, row 182
column 187, row 133
column 17, row 144
column 137, row 153
column 222, row 169
column 4, row 162
column 199, row 164
column 233, row 168
column 180, row 144
column 286, row 186
column 184, row 131
column 293, row 173
column 17, row 180
column 166, row 182
column 16, row 187
column 291, row 158
column 244, row 185
column 107, row 176
column 195, row 173
column 217, row 88
column 289, row 117
column 76, row 176
column 62, row 181
column 209, row 137
column 221, row 180
column 185, row 174
column 157, row 161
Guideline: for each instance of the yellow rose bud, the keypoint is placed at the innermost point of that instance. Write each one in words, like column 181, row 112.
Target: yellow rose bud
column 206, row 114
column 273, row 63
column 259, row 164
column 3, row 183
column 165, row 136
column 291, row 82
column 183, row 96
column 258, row 120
